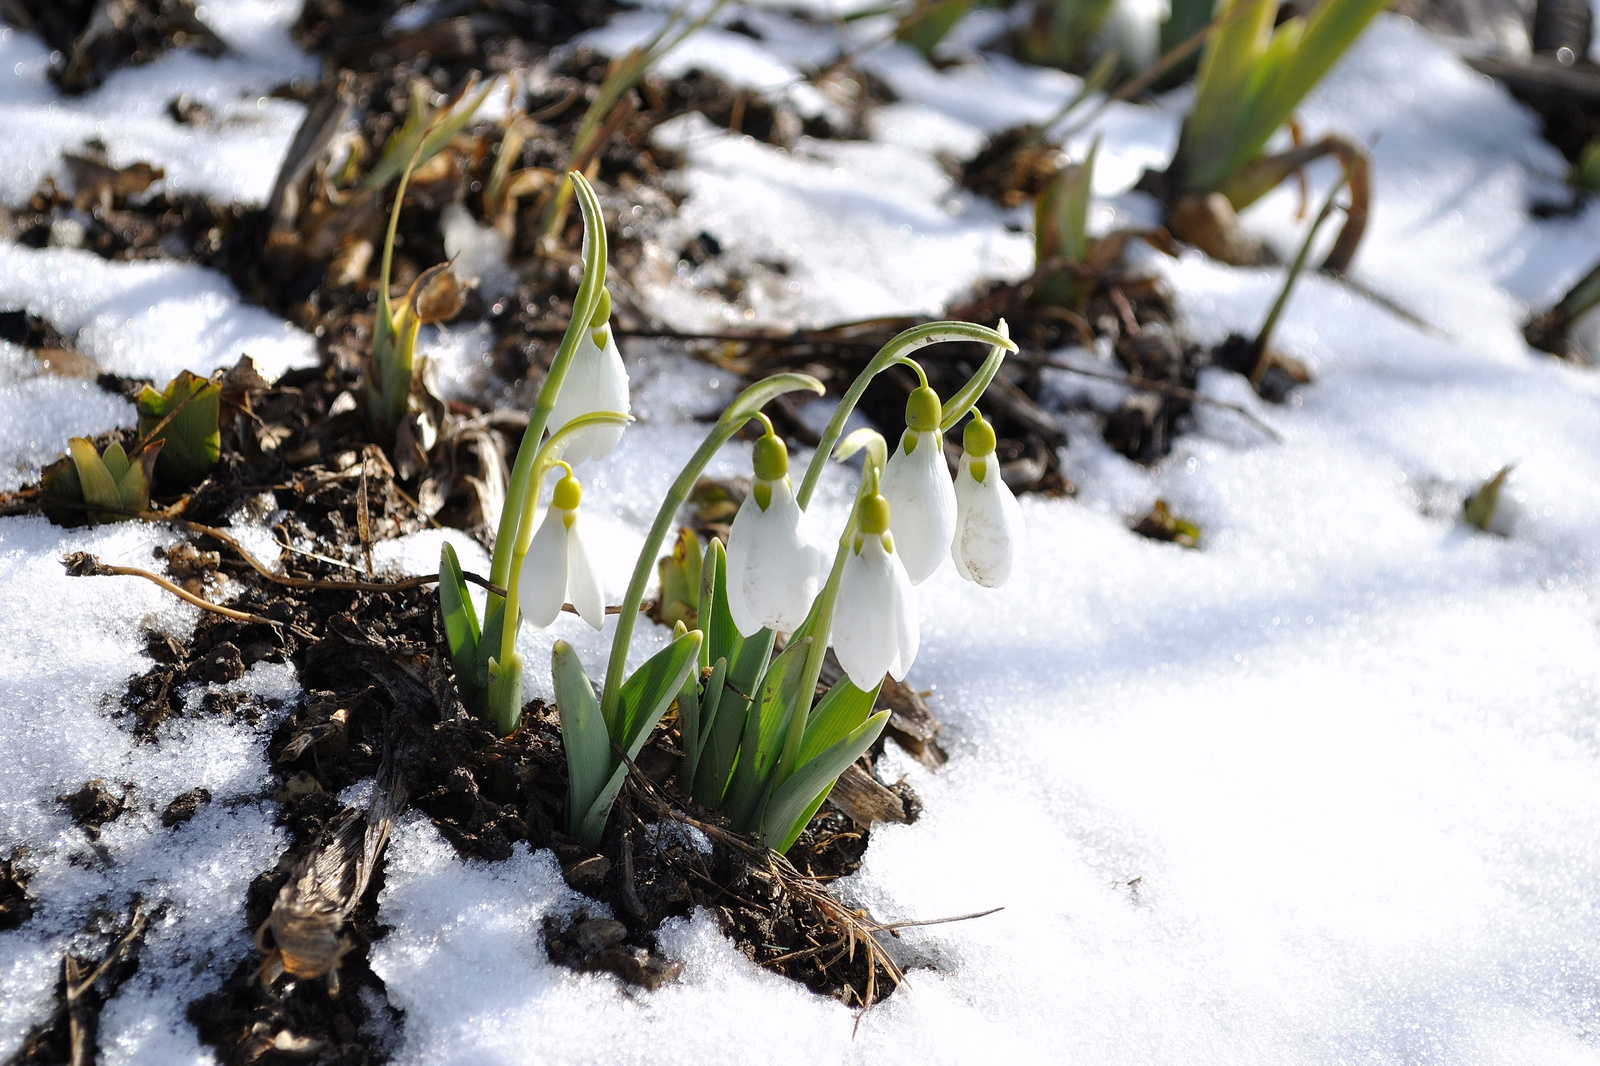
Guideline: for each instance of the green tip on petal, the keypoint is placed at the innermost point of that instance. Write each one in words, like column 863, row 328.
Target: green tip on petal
column 979, row 439
column 923, row 410
column 874, row 515
column 771, row 458
column 568, row 494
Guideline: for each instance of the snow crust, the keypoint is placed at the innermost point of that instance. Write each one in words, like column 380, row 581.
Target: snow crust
column 129, row 113
column 1324, row 791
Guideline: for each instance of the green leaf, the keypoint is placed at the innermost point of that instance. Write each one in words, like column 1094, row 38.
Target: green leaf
column 722, row 636
column 789, row 808
column 689, row 729
column 930, row 22
column 190, row 407
column 766, row 723
column 583, row 734
column 421, row 125
column 505, row 696
column 660, row 679
column 648, row 692
column 460, row 619
column 721, row 720
column 1252, row 77
column 99, row 487
column 842, row 710
column 488, row 643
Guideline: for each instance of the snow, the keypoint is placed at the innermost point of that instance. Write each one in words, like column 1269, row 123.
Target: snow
column 1323, row 791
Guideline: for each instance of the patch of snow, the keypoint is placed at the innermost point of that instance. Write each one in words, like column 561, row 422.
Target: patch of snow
column 149, row 319
column 234, row 158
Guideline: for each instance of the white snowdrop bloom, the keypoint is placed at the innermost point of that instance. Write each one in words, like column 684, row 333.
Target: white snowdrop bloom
column 989, row 528
column 772, row 571
column 596, row 381
column 875, row 616
column 557, row 568
column 916, row 482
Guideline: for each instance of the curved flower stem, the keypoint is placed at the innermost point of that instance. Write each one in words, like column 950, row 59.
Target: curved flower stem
column 901, row 345
column 547, row 458
column 745, row 407
column 819, row 627
column 583, row 308
column 964, row 400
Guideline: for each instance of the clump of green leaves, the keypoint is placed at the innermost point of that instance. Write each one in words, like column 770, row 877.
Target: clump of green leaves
column 183, row 419
column 1253, row 73
column 103, row 479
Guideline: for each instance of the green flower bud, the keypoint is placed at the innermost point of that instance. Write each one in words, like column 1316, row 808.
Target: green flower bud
column 923, row 411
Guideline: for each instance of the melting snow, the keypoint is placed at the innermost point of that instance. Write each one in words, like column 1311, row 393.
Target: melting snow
column 1324, row 791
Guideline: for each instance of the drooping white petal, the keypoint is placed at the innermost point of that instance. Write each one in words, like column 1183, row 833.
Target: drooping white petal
column 866, row 638
column 542, row 581
column 583, row 584
column 772, row 571
column 907, row 631
column 989, row 529
column 922, row 504
column 596, row 381
column 740, row 539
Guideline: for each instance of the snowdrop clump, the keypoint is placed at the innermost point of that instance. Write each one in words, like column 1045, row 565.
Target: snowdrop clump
column 755, row 746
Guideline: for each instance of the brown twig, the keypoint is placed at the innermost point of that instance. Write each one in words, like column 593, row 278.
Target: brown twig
column 82, row 564
column 1177, row 392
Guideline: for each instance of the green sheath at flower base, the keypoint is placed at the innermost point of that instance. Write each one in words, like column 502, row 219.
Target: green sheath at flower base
column 874, row 515
column 922, row 410
column 978, row 441
column 771, row 463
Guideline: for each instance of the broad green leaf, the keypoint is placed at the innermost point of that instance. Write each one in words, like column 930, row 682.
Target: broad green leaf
column 689, row 729
column 842, row 710
column 679, row 658
column 766, row 723
column 719, row 745
column 780, row 698
column 722, row 636
column 786, row 812
column 750, row 661
column 460, row 619
column 505, row 696
column 97, row 482
column 116, row 460
column 192, row 439
column 651, row 689
column 489, row 642
column 583, row 734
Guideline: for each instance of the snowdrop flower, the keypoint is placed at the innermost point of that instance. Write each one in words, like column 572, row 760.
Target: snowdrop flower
column 557, row 569
column 772, row 572
column 916, row 482
column 875, row 616
column 989, row 529
column 596, row 381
